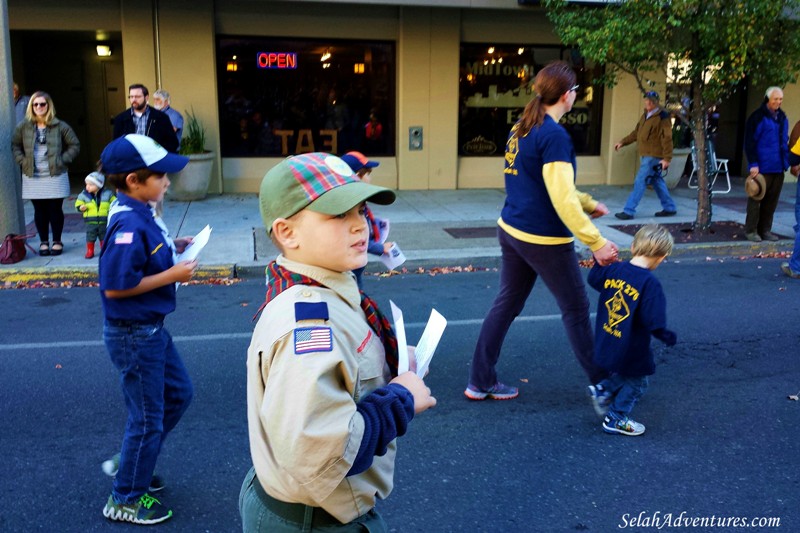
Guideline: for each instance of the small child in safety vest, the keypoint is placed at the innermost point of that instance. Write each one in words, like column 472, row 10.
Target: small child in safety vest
column 94, row 203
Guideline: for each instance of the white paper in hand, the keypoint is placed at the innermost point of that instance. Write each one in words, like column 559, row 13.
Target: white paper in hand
column 198, row 243
column 429, row 341
column 400, row 332
column 393, row 258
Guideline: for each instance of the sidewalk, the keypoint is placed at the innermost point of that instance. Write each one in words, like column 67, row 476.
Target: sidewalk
column 432, row 228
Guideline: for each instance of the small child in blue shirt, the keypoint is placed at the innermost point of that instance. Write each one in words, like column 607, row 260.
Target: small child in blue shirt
column 138, row 276
column 631, row 308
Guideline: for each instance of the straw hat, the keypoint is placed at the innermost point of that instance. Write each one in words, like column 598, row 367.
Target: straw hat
column 756, row 187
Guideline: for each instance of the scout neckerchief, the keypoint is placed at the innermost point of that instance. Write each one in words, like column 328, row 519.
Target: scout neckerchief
column 279, row 279
column 373, row 224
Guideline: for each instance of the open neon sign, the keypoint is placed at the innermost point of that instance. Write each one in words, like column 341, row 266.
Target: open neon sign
column 279, row 60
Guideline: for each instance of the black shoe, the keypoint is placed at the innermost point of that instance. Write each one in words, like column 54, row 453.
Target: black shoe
column 665, row 213
column 624, row 216
column 769, row 236
column 44, row 249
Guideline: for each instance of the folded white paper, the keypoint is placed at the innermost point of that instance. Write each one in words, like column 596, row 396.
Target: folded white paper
column 393, row 258
column 400, row 333
column 427, row 343
column 198, row 243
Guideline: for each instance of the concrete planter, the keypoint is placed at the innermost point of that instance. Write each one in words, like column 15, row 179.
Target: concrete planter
column 675, row 169
column 192, row 182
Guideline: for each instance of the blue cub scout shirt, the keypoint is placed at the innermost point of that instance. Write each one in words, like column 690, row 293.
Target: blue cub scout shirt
column 135, row 247
column 528, row 206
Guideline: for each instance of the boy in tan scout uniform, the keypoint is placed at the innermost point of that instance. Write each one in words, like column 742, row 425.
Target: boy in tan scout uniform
column 324, row 402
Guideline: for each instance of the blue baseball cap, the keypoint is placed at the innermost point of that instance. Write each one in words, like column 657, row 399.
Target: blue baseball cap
column 356, row 161
column 651, row 95
column 133, row 152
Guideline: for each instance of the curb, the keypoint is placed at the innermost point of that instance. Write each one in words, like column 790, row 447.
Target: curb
column 89, row 274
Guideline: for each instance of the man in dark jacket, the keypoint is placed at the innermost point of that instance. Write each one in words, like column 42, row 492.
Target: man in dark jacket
column 145, row 120
column 766, row 144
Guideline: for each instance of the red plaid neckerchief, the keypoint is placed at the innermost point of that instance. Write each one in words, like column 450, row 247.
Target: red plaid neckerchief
column 373, row 224
column 279, row 279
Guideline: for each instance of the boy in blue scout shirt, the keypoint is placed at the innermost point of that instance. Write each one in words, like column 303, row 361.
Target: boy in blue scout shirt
column 94, row 202
column 362, row 168
column 138, row 277
column 324, row 402
column 630, row 309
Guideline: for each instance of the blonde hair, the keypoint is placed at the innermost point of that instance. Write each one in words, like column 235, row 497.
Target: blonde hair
column 51, row 109
column 652, row 240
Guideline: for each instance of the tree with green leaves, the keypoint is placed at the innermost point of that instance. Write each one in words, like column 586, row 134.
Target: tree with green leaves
column 706, row 48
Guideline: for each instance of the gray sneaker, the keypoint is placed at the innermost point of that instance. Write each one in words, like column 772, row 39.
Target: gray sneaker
column 111, row 467
column 786, row 269
column 625, row 426
column 147, row 510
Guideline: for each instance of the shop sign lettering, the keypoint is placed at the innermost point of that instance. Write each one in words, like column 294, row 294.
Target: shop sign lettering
column 279, row 60
column 304, row 141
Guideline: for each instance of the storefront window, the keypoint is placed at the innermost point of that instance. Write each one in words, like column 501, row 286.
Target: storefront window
column 495, row 85
column 281, row 97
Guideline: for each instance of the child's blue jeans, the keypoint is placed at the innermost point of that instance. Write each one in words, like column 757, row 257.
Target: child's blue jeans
column 157, row 391
column 626, row 391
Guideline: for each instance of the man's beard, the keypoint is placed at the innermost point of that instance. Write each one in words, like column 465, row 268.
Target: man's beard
column 139, row 108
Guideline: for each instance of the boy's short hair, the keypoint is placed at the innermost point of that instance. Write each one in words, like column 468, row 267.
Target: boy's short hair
column 318, row 181
column 652, row 240
column 120, row 180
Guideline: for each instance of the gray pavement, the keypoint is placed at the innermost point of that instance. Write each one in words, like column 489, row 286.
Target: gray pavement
column 432, row 228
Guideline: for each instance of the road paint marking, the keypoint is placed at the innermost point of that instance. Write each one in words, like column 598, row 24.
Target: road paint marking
column 247, row 335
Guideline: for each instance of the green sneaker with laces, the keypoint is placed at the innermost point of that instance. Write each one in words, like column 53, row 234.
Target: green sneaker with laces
column 146, row 511
column 111, row 467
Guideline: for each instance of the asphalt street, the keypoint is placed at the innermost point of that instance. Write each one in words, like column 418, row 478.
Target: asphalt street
column 721, row 436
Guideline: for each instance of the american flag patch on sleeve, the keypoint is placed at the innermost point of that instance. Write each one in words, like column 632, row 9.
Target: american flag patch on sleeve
column 123, row 237
column 318, row 339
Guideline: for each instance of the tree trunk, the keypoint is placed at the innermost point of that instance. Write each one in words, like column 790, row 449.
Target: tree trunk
column 702, row 223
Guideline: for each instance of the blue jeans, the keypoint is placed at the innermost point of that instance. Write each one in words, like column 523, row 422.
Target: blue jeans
column 626, row 391
column 794, row 261
column 640, row 185
column 522, row 264
column 157, row 391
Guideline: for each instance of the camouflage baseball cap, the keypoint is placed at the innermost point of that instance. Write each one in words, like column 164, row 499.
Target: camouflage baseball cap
column 320, row 182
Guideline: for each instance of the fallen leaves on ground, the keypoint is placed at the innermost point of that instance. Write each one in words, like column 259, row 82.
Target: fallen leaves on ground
column 47, row 284
column 213, row 281
column 72, row 284
column 435, row 271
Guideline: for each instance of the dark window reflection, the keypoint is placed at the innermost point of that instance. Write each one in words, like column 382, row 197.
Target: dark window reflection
column 495, row 85
column 280, row 97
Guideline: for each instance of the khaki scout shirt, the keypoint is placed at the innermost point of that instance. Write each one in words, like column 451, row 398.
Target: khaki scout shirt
column 304, row 429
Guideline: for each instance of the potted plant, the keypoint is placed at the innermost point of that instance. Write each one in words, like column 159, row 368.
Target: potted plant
column 191, row 183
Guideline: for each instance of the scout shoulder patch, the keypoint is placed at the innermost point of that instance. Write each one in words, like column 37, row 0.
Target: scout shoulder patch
column 123, row 237
column 315, row 339
column 310, row 311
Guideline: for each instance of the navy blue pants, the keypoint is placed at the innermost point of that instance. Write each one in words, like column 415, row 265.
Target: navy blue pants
column 522, row 264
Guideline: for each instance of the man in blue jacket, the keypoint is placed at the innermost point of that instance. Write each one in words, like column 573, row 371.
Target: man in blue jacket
column 766, row 144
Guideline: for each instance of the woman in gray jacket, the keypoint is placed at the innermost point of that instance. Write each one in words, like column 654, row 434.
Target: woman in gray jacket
column 44, row 146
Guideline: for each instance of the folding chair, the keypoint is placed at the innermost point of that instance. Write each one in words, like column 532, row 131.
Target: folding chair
column 720, row 166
